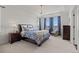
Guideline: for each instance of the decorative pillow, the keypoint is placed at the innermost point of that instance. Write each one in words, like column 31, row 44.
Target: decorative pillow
column 24, row 27
column 30, row 26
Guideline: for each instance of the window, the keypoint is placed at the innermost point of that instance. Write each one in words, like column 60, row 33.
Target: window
column 55, row 21
column 47, row 22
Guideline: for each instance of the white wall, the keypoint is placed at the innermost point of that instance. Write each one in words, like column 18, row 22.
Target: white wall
column 3, row 25
column 22, row 15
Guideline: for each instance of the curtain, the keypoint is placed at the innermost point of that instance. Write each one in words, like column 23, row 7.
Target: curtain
column 39, row 23
column 44, row 23
column 59, row 24
column 51, row 25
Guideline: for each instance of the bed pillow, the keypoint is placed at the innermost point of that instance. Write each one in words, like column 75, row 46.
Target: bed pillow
column 27, row 27
column 30, row 29
column 30, row 26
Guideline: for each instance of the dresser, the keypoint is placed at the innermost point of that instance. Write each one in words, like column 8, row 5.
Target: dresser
column 66, row 32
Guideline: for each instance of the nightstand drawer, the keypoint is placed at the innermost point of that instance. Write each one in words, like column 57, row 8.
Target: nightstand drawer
column 14, row 37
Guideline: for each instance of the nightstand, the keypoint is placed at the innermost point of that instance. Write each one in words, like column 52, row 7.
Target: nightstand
column 14, row 37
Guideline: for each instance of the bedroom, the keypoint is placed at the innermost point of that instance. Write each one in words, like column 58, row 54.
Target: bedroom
column 12, row 15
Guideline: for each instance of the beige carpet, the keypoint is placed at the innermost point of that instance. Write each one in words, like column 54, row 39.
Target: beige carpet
column 54, row 44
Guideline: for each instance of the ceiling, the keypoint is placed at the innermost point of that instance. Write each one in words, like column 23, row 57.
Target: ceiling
column 35, row 9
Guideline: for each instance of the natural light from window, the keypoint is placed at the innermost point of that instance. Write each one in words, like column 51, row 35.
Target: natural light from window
column 55, row 21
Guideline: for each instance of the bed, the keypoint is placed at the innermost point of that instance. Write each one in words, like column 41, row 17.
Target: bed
column 28, row 33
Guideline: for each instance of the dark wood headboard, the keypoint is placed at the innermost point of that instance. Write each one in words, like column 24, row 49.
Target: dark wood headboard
column 19, row 27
